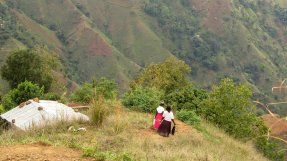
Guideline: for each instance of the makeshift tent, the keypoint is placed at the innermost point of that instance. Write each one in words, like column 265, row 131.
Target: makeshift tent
column 40, row 113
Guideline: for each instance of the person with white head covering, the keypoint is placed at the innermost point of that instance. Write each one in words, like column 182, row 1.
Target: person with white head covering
column 165, row 127
column 158, row 115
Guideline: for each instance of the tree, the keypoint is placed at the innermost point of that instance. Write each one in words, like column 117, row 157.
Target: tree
column 168, row 76
column 33, row 65
column 229, row 106
column 24, row 91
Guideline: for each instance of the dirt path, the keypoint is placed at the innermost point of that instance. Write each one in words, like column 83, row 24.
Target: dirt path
column 38, row 152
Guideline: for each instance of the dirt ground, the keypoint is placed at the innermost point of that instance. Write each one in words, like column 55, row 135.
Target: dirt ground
column 39, row 152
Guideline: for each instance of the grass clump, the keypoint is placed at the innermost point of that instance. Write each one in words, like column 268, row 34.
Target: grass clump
column 98, row 111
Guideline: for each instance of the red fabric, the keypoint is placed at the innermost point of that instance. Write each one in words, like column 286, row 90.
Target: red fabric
column 157, row 120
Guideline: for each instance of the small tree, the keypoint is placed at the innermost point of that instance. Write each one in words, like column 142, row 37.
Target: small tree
column 34, row 65
column 230, row 107
column 168, row 76
column 24, row 91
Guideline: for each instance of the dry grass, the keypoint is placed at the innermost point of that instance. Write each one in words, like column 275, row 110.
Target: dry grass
column 126, row 134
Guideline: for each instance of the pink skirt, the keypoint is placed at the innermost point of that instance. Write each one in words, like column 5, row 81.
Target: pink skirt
column 157, row 120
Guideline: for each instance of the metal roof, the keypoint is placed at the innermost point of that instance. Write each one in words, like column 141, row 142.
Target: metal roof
column 38, row 114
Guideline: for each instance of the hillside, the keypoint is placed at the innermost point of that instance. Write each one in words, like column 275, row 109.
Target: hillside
column 244, row 40
column 128, row 137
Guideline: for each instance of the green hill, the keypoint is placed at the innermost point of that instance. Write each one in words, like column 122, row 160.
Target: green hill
column 244, row 40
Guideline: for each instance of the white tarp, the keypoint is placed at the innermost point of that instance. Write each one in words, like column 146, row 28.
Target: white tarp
column 50, row 112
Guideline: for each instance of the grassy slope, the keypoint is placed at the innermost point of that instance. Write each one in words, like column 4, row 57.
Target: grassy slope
column 129, row 133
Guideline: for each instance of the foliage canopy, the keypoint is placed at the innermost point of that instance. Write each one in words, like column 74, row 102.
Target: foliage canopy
column 24, row 91
column 35, row 65
column 168, row 76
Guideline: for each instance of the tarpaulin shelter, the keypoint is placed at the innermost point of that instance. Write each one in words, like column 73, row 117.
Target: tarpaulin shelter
column 40, row 113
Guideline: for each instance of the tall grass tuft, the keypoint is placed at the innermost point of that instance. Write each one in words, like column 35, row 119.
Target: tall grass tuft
column 98, row 111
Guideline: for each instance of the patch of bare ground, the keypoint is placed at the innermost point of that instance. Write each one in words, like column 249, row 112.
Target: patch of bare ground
column 277, row 125
column 214, row 10
column 39, row 152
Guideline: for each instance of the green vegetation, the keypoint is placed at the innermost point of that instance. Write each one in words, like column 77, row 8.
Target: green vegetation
column 187, row 98
column 98, row 111
column 98, row 88
column 143, row 99
column 167, row 76
column 189, row 117
column 84, row 94
column 24, row 91
column 229, row 106
column 136, row 141
column 33, row 65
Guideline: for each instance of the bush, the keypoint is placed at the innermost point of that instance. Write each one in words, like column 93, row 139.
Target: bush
column 24, row 91
column 229, row 106
column 105, row 88
column 142, row 99
column 187, row 98
column 98, row 88
column 51, row 96
column 270, row 148
column 189, row 117
column 1, row 109
column 84, row 94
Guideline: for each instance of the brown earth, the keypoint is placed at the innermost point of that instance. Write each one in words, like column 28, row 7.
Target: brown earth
column 214, row 10
column 277, row 125
column 39, row 152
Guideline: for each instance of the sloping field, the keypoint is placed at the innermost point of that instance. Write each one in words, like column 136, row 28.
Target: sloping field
column 128, row 134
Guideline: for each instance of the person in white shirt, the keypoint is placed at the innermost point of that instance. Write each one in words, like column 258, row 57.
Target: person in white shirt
column 158, row 115
column 165, row 126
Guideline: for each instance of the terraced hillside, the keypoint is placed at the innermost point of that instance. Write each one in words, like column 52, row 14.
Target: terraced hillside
column 245, row 40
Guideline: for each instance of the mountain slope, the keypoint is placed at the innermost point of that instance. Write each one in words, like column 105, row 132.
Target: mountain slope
column 244, row 40
column 128, row 135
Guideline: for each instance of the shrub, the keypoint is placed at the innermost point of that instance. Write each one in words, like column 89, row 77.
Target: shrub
column 105, row 88
column 84, row 94
column 187, row 98
column 270, row 148
column 229, row 106
column 24, row 91
column 98, row 88
column 189, row 117
column 143, row 99
column 1, row 109
column 51, row 96
column 7, row 101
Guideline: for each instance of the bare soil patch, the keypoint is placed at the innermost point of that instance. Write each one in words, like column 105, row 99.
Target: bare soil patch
column 277, row 125
column 39, row 152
